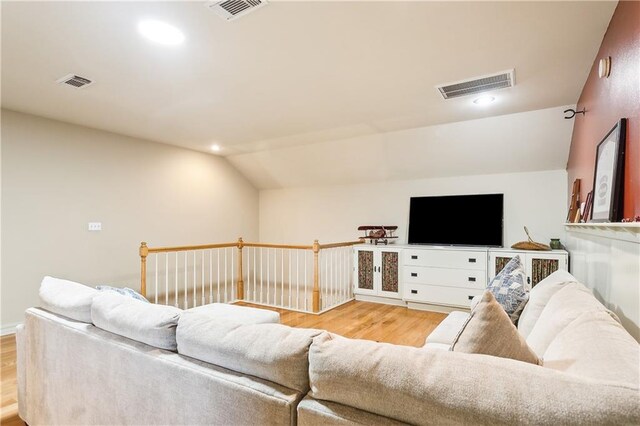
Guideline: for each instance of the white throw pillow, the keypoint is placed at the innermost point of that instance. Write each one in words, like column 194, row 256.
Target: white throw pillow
column 67, row 298
column 567, row 304
column 539, row 297
column 595, row 345
column 145, row 322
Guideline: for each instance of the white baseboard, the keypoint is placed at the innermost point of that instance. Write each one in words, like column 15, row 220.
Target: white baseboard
column 435, row 308
column 380, row 299
column 8, row 328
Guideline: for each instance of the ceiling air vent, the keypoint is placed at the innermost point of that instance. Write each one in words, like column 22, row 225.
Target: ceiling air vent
column 232, row 9
column 75, row 81
column 477, row 85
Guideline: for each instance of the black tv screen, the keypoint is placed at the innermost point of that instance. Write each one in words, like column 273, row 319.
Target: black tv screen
column 459, row 220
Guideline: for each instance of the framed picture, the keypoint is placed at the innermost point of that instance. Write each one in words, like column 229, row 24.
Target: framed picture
column 609, row 175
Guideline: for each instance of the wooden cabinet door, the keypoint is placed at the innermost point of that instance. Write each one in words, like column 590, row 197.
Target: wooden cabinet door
column 540, row 266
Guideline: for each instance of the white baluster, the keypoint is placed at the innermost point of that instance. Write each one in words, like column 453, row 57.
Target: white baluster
column 166, row 278
column 268, row 276
column 186, row 281
column 218, row 274
column 233, row 274
column 195, row 281
column 210, row 276
column 156, row 295
column 297, row 279
column 290, row 282
column 176, row 293
column 261, row 276
column 282, row 278
column 225, row 275
column 204, row 301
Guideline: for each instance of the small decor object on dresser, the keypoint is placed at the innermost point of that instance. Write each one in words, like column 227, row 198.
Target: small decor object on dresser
column 608, row 176
column 530, row 244
column 378, row 233
column 509, row 288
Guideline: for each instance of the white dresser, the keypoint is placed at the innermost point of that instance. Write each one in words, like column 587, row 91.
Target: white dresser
column 424, row 277
column 444, row 276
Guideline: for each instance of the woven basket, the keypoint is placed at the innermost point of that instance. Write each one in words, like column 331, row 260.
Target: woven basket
column 530, row 244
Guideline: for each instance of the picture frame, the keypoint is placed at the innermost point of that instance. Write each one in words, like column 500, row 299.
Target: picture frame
column 608, row 176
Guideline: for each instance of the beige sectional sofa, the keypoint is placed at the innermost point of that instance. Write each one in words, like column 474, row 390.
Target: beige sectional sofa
column 250, row 372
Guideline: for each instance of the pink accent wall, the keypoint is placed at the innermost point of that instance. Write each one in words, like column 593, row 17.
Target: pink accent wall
column 606, row 101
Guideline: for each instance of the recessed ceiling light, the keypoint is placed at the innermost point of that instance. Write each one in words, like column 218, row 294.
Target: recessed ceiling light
column 160, row 32
column 215, row 148
column 484, row 100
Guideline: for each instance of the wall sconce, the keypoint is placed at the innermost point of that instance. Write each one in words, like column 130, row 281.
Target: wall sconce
column 604, row 67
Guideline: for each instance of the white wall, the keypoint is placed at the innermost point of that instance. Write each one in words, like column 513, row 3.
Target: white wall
column 608, row 262
column 523, row 142
column 333, row 213
column 57, row 177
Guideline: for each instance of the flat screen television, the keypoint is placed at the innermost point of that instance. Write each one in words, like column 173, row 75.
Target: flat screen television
column 457, row 220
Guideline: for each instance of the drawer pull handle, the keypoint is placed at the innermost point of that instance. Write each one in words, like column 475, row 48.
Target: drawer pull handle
column 414, row 257
column 472, row 260
column 414, row 291
column 470, row 297
column 414, row 274
column 472, row 279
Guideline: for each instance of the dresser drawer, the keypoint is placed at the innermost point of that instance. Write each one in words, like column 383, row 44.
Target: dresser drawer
column 455, row 259
column 465, row 278
column 440, row 295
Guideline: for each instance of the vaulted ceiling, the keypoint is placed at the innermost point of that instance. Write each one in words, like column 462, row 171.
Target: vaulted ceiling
column 291, row 73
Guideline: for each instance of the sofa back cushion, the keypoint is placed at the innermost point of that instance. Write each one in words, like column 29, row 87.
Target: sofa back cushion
column 274, row 352
column 539, row 297
column 567, row 304
column 67, row 298
column 237, row 314
column 145, row 322
column 421, row 386
column 489, row 331
column 595, row 345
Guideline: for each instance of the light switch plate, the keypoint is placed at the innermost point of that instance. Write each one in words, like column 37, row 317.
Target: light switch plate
column 95, row 226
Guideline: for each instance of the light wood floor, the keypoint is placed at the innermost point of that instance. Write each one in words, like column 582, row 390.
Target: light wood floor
column 358, row 320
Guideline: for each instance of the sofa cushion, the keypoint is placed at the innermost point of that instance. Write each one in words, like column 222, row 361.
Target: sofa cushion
column 538, row 298
column 67, row 298
column 509, row 288
column 419, row 386
column 489, row 331
column 145, row 322
column 447, row 331
column 567, row 304
column 595, row 345
column 237, row 314
column 273, row 352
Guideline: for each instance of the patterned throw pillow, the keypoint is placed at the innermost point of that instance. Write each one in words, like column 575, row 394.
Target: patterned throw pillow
column 123, row 291
column 509, row 288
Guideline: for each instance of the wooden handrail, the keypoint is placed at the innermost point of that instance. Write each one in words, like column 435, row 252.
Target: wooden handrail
column 280, row 246
column 345, row 244
column 144, row 251
column 190, row 248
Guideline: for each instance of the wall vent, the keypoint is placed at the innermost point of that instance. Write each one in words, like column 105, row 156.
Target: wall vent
column 232, row 9
column 75, row 81
column 501, row 80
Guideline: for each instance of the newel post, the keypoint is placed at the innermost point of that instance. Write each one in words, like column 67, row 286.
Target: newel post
column 240, row 288
column 144, row 252
column 316, row 283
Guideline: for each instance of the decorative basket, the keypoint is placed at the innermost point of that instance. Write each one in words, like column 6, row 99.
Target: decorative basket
column 530, row 244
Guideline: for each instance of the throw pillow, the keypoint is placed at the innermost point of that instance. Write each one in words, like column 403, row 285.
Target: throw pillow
column 489, row 331
column 509, row 288
column 123, row 291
